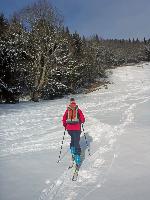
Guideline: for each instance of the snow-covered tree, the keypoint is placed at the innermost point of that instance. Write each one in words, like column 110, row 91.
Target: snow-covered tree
column 3, row 25
column 45, row 60
column 147, row 52
column 42, row 23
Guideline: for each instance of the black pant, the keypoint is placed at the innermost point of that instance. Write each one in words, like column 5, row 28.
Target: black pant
column 75, row 139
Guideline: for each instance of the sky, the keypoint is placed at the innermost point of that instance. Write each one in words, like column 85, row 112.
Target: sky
column 107, row 18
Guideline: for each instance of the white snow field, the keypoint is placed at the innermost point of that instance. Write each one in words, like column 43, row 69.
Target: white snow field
column 118, row 133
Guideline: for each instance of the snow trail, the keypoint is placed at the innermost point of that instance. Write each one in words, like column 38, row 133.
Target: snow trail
column 30, row 127
column 95, row 169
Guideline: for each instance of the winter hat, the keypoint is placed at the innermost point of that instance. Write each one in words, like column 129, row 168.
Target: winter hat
column 72, row 99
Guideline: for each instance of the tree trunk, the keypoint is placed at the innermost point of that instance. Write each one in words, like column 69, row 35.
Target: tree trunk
column 35, row 96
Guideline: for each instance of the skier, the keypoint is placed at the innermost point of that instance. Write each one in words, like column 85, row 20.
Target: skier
column 72, row 119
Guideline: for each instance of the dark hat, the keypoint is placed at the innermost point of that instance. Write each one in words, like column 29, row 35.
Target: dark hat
column 72, row 99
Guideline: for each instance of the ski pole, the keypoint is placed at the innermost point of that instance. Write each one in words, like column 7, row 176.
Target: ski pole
column 63, row 155
column 86, row 140
column 61, row 146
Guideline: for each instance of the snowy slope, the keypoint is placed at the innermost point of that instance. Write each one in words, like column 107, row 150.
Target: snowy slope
column 117, row 127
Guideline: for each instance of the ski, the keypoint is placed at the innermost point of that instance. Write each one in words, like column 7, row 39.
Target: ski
column 71, row 166
column 75, row 168
column 73, row 162
column 75, row 174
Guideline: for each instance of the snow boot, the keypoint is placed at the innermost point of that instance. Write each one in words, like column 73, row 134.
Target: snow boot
column 72, row 150
column 78, row 160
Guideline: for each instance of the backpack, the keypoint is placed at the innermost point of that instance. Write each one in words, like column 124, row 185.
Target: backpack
column 72, row 115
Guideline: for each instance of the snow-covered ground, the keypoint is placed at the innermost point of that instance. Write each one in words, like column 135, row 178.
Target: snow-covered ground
column 118, row 133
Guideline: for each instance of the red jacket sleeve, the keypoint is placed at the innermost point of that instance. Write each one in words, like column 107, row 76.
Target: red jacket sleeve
column 81, row 116
column 64, row 119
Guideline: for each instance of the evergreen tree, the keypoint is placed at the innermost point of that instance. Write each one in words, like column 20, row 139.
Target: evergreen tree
column 3, row 25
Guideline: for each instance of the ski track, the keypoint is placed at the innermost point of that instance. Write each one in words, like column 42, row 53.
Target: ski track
column 19, row 136
column 95, row 169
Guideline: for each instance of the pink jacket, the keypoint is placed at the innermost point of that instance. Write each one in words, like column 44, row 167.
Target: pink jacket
column 76, row 126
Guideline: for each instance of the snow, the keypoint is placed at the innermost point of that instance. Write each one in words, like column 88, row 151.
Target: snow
column 117, row 129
